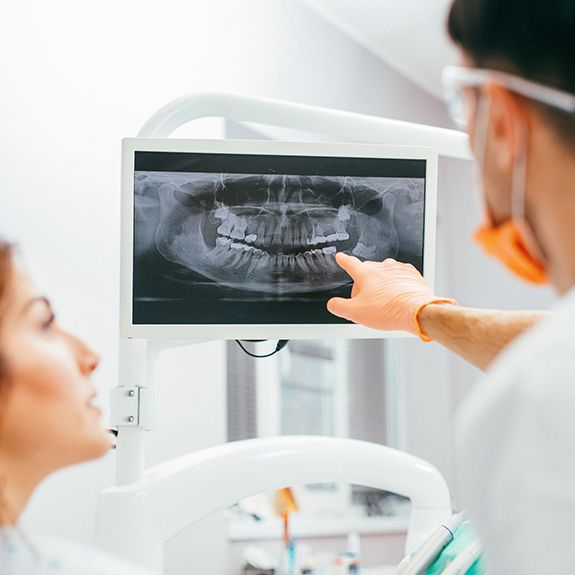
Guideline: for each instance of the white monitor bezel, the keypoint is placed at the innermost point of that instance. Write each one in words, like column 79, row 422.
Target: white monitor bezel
column 261, row 331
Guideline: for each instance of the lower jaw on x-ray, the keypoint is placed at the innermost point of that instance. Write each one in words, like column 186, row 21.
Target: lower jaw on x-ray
column 242, row 248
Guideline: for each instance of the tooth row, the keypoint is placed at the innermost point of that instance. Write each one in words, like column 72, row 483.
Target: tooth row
column 223, row 241
column 316, row 240
column 340, row 236
column 235, row 228
column 223, row 213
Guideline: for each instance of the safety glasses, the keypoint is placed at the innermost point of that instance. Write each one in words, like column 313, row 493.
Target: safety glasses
column 456, row 78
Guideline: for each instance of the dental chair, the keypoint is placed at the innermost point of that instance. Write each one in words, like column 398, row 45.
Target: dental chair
column 147, row 507
column 136, row 519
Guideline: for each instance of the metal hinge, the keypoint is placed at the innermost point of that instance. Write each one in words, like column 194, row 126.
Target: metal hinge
column 130, row 407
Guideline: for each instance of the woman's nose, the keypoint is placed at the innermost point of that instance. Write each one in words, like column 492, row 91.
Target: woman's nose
column 92, row 359
column 88, row 359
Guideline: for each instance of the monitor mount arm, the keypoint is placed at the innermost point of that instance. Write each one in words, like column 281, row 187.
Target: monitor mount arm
column 345, row 126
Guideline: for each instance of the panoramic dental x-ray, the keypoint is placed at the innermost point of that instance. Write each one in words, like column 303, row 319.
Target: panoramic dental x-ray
column 208, row 243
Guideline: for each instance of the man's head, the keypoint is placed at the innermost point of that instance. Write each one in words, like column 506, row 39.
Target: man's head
column 523, row 144
column 533, row 39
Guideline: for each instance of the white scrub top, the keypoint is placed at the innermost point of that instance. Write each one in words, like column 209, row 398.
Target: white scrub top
column 516, row 451
column 27, row 555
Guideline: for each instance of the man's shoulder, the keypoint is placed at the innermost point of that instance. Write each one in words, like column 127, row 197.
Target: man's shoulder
column 514, row 436
column 535, row 375
column 546, row 349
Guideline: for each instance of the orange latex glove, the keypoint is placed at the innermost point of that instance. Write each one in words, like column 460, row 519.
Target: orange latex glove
column 386, row 295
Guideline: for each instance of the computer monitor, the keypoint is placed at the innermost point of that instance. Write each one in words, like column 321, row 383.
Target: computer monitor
column 232, row 239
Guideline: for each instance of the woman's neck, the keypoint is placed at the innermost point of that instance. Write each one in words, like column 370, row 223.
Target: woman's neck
column 17, row 483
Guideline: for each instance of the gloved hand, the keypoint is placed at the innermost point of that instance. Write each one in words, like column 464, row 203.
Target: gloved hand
column 386, row 295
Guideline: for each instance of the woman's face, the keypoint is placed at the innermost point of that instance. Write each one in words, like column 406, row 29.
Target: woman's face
column 46, row 414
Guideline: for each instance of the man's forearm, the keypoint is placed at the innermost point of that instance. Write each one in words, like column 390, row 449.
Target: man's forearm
column 477, row 335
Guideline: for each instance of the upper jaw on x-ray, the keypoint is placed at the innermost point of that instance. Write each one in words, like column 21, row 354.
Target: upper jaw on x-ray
column 273, row 234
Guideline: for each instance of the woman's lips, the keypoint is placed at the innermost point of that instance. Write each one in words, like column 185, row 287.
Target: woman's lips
column 92, row 403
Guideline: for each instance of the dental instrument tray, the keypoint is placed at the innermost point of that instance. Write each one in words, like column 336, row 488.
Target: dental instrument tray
column 229, row 239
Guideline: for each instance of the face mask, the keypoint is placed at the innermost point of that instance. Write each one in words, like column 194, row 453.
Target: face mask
column 511, row 242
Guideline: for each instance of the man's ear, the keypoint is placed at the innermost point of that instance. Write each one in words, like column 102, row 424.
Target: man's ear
column 508, row 119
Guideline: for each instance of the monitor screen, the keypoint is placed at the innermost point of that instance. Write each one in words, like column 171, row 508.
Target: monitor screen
column 224, row 239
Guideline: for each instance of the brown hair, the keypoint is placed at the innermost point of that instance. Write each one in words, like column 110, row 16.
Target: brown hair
column 6, row 251
column 6, row 270
column 6, row 264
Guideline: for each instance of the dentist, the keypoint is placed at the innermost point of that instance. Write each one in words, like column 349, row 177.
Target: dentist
column 515, row 92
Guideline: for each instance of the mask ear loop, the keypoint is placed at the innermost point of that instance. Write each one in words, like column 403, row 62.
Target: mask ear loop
column 481, row 122
column 519, row 178
column 481, row 128
column 518, row 192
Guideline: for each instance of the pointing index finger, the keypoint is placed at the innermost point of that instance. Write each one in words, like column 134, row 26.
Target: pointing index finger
column 350, row 264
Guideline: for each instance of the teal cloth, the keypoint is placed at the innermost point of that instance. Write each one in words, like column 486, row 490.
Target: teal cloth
column 462, row 537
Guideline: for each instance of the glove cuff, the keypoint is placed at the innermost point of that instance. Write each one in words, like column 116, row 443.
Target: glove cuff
column 419, row 331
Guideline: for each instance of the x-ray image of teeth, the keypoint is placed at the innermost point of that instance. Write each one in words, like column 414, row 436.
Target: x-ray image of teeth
column 244, row 248
column 276, row 234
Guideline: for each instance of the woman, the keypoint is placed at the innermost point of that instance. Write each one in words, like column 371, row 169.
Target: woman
column 47, row 422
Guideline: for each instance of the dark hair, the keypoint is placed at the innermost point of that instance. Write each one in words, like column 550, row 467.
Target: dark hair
column 6, row 252
column 534, row 39
column 6, row 264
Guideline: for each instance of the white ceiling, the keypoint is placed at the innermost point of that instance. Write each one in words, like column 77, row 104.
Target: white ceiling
column 409, row 35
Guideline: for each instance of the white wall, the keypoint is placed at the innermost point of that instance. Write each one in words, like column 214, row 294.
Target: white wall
column 76, row 77
column 412, row 40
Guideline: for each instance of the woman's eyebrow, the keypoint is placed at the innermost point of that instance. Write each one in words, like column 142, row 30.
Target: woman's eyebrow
column 34, row 300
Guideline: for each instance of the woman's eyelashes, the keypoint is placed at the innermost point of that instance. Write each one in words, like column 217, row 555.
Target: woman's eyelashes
column 45, row 314
column 48, row 324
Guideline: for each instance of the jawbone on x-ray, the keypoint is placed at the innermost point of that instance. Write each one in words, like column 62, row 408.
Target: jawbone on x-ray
column 277, row 233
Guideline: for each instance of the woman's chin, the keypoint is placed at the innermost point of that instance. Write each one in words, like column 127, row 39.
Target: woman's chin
column 100, row 438
column 103, row 444
column 97, row 444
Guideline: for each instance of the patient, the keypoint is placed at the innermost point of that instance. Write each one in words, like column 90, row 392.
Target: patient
column 47, row 422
